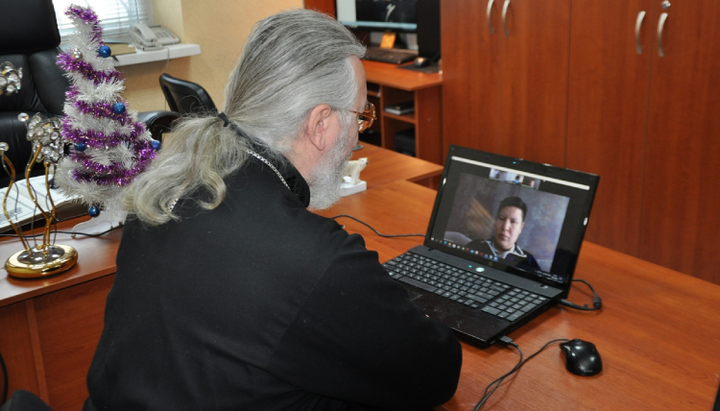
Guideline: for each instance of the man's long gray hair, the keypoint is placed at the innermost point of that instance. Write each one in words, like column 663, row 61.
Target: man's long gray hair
column 292, row 62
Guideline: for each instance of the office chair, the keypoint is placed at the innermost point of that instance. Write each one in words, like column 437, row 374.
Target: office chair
column 22, row 400
column 158, row 122
column 29, row 39
column 184, row 96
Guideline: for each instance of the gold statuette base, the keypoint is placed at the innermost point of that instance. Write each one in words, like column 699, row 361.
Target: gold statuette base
column 38, row 263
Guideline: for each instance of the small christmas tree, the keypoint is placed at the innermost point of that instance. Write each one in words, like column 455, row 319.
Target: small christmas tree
column 110, row 147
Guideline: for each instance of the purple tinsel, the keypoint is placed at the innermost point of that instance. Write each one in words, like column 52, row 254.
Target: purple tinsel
column 69, row 63
column 103, row 174
column 87, row 169
column 97, row 139
column 88, row 16
column 100, row 110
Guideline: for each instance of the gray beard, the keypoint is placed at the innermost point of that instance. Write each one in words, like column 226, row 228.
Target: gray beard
column 328, row 176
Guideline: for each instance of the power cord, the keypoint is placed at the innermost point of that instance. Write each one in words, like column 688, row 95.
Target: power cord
column 597, row 301
column 66, row 232
column 496, row 383
column 376, row 231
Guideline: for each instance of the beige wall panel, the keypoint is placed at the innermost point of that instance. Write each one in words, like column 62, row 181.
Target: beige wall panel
column 220, row 27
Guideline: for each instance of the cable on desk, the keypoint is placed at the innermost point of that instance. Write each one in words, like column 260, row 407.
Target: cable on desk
column 376, row 231
column 521, row 362
column 597, row 301
column 65, row 232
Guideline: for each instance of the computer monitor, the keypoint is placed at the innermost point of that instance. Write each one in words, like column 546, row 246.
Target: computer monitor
column 378, row 15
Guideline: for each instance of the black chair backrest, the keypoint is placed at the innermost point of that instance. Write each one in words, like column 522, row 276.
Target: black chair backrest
column 29, row 39
column 184, row 96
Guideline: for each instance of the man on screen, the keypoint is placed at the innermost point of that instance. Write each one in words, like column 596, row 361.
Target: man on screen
column 509, row 224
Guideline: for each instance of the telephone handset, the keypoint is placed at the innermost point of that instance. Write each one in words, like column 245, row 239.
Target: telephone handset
column 151, row 37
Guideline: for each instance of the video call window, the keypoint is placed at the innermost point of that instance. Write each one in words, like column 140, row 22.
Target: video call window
column 524, row 232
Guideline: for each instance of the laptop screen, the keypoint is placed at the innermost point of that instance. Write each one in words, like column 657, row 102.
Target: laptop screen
column 511, row 214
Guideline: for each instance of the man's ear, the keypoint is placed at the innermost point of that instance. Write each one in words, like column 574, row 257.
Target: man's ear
column 318, row 126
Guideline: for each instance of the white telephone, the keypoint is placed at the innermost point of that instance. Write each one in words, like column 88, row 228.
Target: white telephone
column 151, row 37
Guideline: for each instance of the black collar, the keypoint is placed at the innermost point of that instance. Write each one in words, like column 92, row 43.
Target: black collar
column 289, row 173
column 297, row 183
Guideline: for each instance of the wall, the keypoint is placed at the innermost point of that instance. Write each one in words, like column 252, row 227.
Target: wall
column 220, row 27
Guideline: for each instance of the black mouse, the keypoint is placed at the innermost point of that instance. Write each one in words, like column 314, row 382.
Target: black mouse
column 421, row 62
column 581, row 357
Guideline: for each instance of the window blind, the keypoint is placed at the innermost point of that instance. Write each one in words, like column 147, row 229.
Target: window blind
column 115, row 16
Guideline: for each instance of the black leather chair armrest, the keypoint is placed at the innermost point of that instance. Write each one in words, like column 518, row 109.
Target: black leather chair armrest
column 158, row 122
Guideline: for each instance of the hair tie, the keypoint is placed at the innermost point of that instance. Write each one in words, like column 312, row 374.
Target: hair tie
column 224, row 118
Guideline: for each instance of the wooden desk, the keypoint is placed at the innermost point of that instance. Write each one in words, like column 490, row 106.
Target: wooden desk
column 388, row 84
column 49, row 328
column 385, row 166
column 658, row 332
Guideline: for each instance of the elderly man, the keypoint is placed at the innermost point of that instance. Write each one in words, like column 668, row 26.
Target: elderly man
column 230, row 294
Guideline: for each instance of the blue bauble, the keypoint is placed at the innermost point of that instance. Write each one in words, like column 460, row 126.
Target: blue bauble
column 104, row 51
column 118, row 108
column 81, row 146
column 157, row 144
column 52, row 184
column 93, row 211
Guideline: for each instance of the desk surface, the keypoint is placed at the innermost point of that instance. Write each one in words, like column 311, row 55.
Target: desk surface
column 658, row 332
column 385, row 166
column 96, row 258
column 391, row 75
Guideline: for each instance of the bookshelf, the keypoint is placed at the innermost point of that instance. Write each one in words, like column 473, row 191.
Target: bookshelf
column 388, row 84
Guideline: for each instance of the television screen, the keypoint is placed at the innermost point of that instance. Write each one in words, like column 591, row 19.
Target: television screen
column 378, row 15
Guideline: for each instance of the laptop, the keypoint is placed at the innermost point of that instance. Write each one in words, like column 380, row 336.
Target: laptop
column 502, row 243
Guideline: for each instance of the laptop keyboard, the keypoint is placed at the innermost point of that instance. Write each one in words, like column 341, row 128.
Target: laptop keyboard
column 472, row 290
column 394, row 56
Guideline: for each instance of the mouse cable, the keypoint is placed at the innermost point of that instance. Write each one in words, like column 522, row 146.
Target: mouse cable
column 496, row 383
column 376, row 231
column 597, row 301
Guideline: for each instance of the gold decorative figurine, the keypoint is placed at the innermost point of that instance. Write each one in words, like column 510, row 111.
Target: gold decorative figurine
column 38, row 259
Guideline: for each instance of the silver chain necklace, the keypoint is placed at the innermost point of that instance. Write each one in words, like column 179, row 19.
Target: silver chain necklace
column 272, row 167
column 259, row 157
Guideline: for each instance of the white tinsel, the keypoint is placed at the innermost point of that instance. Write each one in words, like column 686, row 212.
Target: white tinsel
column 107, row 197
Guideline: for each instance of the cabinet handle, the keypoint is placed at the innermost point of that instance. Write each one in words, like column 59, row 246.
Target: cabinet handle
column 638, row 25
column 504, row 17
column 488, row 15
column 661, row 26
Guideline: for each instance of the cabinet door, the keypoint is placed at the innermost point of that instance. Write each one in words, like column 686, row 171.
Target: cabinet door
column 534, row 46
column 607, row 111
column 506, row 91
column 470, row 73
column 681, row 203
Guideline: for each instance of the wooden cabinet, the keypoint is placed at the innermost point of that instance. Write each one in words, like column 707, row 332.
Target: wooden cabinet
column 389, row 84
column 505, row 67
column 607, row 113
column 680, row 205
column 648, row 124
column 583, row 85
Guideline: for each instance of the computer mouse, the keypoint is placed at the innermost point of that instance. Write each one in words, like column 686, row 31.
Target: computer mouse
column 581, row 357
column 421, row 62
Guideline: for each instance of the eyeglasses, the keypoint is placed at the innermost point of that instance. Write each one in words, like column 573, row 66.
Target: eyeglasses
column 366, row 118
